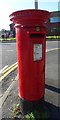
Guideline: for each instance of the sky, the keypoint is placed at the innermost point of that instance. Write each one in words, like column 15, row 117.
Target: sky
column 9, row 6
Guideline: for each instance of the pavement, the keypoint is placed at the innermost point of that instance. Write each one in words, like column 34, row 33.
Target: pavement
column 7, row 41
column 11, row 98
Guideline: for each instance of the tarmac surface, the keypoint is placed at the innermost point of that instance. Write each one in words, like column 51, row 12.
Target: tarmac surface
column 52, row 88
column 53, row 111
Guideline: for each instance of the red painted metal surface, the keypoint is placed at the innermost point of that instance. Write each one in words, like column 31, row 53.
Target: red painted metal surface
column 31, row 73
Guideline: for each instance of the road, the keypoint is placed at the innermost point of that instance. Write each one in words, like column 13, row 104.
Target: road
column 8, row 64
column 8, row 54
column 53, row 63
column 8, row 70
column 52, row 81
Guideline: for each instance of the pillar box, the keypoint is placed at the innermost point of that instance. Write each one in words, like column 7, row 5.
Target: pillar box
column 31, row 47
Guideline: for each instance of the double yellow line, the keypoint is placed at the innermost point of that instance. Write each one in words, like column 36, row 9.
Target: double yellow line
column 8, row 70
column 15, row 65
column 52, row 49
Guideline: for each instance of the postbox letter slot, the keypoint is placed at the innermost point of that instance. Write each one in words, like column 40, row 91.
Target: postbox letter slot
column 36, row 35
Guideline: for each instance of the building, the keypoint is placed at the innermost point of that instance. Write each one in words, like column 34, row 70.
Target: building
column 53, row 25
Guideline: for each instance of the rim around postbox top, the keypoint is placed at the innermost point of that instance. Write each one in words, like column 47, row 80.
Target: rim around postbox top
column 29, row 16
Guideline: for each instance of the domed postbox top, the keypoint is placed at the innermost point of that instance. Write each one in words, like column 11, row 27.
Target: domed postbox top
column 29, row 16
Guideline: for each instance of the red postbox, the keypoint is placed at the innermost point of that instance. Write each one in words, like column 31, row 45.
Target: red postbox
column 31, row 47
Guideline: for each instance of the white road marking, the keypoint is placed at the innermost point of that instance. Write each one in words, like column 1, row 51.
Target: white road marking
column 3, row 68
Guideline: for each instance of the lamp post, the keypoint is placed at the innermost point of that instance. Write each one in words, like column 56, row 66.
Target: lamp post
column 36, row 4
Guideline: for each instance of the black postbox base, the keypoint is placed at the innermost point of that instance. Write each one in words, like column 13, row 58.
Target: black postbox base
column 27, row 106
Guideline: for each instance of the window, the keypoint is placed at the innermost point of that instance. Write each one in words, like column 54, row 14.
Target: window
column 54, row 19
column 55, row 29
